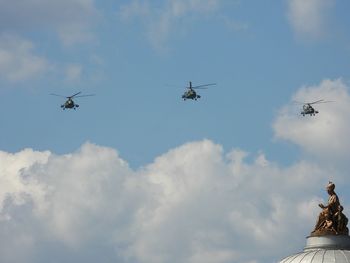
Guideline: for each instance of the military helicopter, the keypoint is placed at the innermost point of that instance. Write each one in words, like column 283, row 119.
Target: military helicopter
column 308, row 109
column 70, row 104
column 192, row 94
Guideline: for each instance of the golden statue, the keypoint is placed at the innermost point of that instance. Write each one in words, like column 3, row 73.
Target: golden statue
column 331, row 220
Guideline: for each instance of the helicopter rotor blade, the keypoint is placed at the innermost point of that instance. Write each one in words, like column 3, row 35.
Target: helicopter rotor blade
column 199, row 87
column 87, row 95
column 317, row 101
column 202, row 86
column 299, row 102
column 307, row 103
column 326, row 101
column 320, row 101
column 74, row 95
column 53, row 94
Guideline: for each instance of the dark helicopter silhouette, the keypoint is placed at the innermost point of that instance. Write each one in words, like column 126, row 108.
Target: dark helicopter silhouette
column 308, row 109
column 192, row 94
column 70, row 104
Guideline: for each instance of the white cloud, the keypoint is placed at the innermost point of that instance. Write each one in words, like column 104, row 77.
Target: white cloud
column 71, row 19
column 18, row 60
column 164, row 20
column 309, row 18
column 15, row 187
column 325, row 134
column 192, row 204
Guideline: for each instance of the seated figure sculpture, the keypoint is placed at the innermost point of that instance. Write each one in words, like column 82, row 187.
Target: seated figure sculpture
column 342, row 221
column 331, row 220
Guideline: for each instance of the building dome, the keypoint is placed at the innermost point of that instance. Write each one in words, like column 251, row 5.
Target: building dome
column 329, row 242
column 323, row 249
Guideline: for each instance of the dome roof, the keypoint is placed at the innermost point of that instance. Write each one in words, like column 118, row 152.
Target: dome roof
column 320, row 256
column 323, row 249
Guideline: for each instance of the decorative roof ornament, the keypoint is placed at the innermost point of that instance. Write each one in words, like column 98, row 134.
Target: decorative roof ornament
column 329, row 242
column 331, row 220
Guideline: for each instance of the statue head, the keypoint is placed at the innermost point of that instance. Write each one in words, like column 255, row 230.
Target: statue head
column 330, row 187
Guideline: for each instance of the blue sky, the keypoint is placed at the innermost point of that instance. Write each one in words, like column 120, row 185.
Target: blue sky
column 138, row 56
column 249, row 49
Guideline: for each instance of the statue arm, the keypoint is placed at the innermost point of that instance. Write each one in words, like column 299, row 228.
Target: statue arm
column 323, row 206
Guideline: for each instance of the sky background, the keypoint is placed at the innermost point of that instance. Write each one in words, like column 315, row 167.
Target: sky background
column 138, row 175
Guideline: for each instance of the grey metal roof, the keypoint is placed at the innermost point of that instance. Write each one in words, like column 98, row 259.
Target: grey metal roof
column 323, row 249
column 319, row 256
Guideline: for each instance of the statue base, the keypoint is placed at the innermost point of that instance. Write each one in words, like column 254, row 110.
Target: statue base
column 323, row 232
column 328, row 242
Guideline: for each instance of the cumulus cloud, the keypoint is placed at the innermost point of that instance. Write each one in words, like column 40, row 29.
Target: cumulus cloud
column 193, row 204
column 326, row 134
column 70, row 19
column 309, row 18
column 18, row 60
column 14, row 187
column 161, row 21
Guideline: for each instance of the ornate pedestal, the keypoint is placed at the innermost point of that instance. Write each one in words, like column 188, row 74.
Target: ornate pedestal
column 328, row 242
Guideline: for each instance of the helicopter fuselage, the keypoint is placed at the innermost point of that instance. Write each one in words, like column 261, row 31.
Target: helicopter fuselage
column 69, row 104
column 190, row 94
column 308, row 109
